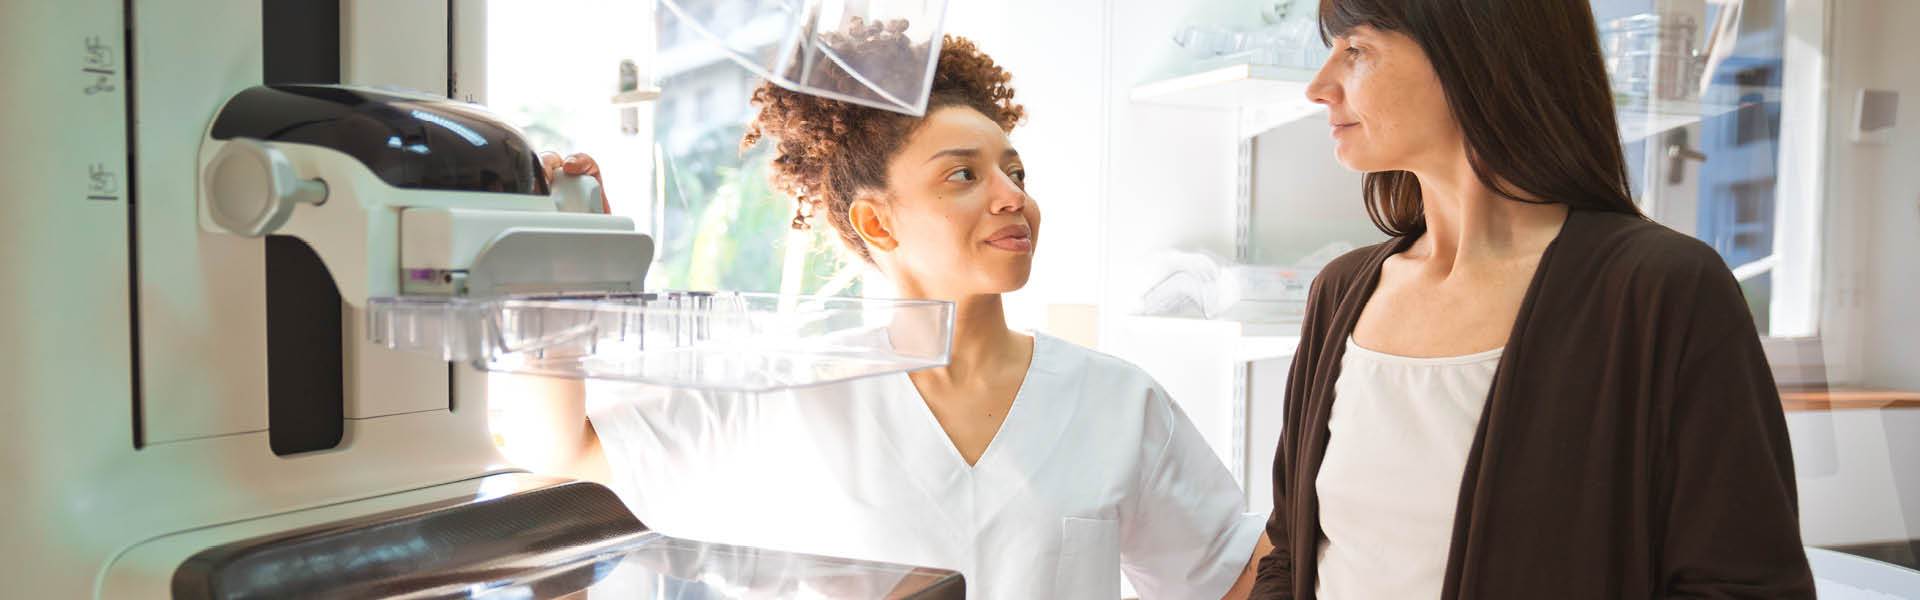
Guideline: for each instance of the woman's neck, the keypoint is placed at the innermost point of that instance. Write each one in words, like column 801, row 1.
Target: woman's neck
column 1469, row 225
column 982, row 343
column 981, row 339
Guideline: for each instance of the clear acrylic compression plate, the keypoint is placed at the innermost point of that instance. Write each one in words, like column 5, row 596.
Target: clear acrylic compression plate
column 722, row 341
column 878, row 53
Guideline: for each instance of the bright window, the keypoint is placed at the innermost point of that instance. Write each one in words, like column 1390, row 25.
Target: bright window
column 1723, row 176
column 553, row 68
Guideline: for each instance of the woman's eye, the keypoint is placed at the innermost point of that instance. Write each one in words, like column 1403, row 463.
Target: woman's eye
column 1352, row 51
column 1019, row 176
column 961, row 175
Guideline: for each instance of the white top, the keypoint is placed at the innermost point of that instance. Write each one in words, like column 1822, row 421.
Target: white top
column 1094, row 472
column 1401, row 428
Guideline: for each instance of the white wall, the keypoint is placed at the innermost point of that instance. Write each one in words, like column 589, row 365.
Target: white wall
column 1302, row 197
column 1859, row 470
column 1874, row 48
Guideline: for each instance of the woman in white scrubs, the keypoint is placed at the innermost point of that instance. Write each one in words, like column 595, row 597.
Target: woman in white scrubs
column 1037, row 468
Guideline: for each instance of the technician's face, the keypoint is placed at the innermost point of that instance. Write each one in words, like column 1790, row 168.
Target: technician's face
column 961, row 220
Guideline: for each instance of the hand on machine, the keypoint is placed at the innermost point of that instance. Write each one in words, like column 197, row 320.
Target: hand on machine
column 576, row 166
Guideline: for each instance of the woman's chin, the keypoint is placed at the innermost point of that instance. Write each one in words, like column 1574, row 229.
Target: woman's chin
column 1010, row 278
column 1353, row 161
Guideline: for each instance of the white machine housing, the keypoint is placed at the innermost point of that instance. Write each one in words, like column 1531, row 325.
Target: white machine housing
column 135, row 379
column 149, row 292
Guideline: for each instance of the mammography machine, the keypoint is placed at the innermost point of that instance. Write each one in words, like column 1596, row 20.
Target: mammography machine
column 252, row 305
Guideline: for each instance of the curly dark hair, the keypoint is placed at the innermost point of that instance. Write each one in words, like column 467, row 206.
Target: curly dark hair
column 828, row 152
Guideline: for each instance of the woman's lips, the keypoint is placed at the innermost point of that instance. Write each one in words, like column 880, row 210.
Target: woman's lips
column 1012, row 238
column 1340, row 128
column 1013, row 244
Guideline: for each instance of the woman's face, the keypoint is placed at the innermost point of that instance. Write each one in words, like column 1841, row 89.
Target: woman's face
column 1385, row 104
column 958, row 221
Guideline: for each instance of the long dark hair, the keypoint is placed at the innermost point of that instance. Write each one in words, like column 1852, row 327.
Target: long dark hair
column 1525, row 80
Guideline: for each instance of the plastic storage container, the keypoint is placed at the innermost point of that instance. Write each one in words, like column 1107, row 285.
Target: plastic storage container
column 1652, row 57
column 878, row 53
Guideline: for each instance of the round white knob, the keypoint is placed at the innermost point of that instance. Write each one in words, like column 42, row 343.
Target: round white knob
column 576, row 194
column 251, row 188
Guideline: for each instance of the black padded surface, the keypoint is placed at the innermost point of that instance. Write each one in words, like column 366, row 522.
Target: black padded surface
column 412, row 550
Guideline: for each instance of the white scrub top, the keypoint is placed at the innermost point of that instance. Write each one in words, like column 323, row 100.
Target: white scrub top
column 1094, row 472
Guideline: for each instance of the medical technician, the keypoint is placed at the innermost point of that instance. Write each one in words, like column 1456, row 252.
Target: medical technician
column 1037, row 468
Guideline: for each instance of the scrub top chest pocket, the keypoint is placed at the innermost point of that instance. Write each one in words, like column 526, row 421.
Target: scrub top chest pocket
column 1089, row 559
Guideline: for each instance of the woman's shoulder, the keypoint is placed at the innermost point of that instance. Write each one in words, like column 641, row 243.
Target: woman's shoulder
column 1120, row 395
column 1648, row 269
column 1096, row 376
column 1644, row 254
column 1065, row 357
column 1624, row 236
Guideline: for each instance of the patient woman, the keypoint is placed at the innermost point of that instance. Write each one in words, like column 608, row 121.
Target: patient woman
column 1037, row 468
column 1531, row 391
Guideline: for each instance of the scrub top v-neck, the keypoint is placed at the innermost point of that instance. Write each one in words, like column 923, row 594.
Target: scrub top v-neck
column 1093, row 472
column 1013, row 409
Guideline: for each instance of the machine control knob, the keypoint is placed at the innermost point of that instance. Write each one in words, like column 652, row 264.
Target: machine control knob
column 577, row 194
column 251, row 188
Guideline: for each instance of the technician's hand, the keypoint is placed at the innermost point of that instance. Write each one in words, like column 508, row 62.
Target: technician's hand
column 575, row 164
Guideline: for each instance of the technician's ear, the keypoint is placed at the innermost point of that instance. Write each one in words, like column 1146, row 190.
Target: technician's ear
column 873, row 222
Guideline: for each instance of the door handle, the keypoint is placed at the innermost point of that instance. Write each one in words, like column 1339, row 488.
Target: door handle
column 1680, row 150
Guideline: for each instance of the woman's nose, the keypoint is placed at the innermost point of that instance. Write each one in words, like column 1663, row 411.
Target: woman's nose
column 1324, row 89
column 1008, row 196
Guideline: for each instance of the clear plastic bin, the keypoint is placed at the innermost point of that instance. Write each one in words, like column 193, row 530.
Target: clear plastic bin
column 879, row 53
column 721, row 341
column 1652, row 57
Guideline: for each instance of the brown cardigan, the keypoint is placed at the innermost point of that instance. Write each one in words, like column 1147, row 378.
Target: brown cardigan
column 1633, row 444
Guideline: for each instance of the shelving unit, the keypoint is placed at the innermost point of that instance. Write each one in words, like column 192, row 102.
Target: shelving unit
column 1270, row 96
column 1241, row 341
column 1644, row 121
column 1232, row 86
column 1267, row 96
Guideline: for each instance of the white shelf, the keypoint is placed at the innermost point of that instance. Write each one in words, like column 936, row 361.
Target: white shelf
column 1641, row 122
column 1269, row 95
column 1272, row 96
column 1243, row 341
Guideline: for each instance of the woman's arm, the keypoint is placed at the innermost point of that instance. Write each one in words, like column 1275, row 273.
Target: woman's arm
column 1243, row 587
column 1273, row 571
column 1731, row 527
column 540, row 424
column 1184, row 531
